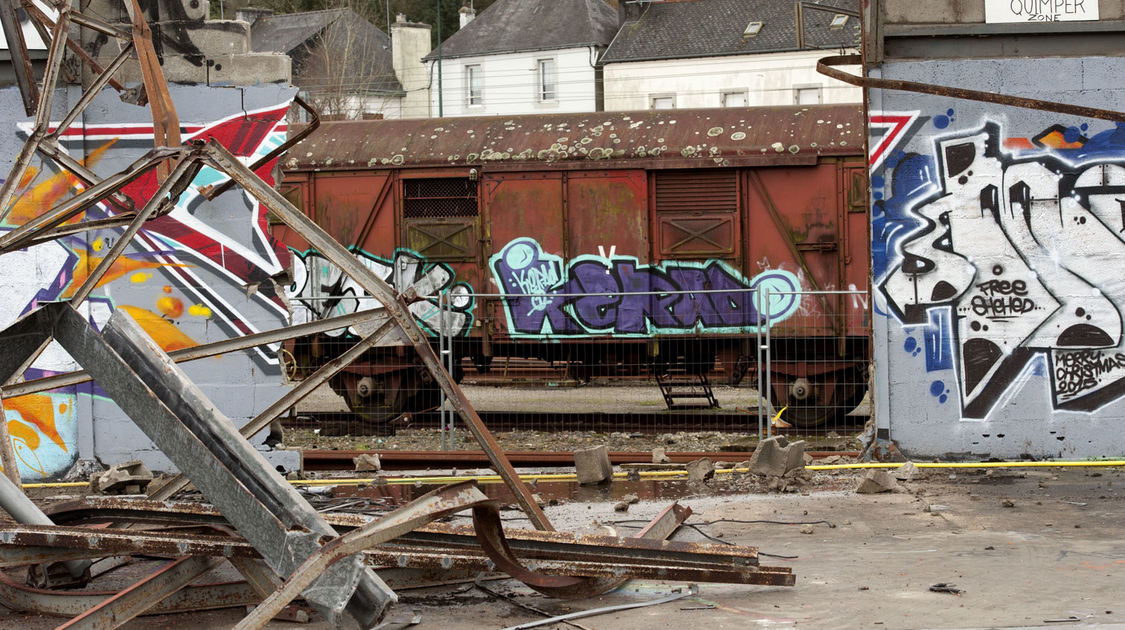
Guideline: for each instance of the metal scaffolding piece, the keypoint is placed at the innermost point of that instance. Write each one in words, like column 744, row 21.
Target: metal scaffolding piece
column 280, row 544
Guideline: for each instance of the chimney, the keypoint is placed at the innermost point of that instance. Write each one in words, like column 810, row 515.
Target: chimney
column 466, row 14
column 251, row 14
column 409, row 43
column 630, row 10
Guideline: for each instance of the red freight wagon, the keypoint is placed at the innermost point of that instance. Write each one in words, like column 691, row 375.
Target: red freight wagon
column 622, row 205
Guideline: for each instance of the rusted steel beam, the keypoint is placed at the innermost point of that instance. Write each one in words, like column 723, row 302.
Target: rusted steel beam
column 42, row 114
column 418, row 512
column 292, row 397
column 303, row 133
column 118, row 609
column 313, row 459
column 396, row 307
column 165, row 122
column 21, row 59
column 207, row 350
column 826, row 67
column 166, row 194
column 23, row 598
column 19, row 237
column 76, row 48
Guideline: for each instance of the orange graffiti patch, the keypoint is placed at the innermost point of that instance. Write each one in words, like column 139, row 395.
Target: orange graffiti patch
column 170, row 306
column 166, row 334
column 42, row 196
column 37, row 409
column 21, row 431
column 120, row 267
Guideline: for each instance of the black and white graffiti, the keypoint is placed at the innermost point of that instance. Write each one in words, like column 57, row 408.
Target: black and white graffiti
column 321, row 290
column 1028, row 255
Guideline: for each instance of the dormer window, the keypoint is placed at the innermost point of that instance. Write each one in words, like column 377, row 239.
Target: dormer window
column 838, row 21
column 752, row 29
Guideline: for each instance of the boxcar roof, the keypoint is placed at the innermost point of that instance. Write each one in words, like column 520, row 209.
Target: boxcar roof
column 682, row 138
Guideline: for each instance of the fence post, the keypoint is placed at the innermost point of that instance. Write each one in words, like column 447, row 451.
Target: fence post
column 769, row 385
column 758, row 363
column 445, row 438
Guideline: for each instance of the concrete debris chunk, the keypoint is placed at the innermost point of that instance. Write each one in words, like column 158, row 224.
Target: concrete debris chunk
column 776, row 456
column 876, row 481
column 367, row 462
column 592, row 465
column 906, row 472
column 659, row 456
column 700, row 470
column 127, row 478
column 625, row 502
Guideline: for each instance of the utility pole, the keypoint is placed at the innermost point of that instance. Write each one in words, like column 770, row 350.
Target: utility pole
column 440, row 99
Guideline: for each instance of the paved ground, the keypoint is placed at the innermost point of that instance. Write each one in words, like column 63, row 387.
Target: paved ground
column 1055, row 554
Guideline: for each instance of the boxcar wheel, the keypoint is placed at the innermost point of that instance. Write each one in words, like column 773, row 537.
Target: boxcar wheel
column 814, row 401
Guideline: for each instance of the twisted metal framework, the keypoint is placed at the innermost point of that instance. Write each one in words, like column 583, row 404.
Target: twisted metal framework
column 289, row 548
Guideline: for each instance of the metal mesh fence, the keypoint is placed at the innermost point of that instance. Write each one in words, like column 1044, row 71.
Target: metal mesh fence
column 661, row 364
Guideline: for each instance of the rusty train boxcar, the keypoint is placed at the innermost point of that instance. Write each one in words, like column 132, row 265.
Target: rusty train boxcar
column 606, row 203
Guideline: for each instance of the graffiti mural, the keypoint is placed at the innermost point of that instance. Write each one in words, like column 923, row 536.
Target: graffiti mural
column 201, row 273
column 321, row 290
column 546, row 296
column 1003, row 252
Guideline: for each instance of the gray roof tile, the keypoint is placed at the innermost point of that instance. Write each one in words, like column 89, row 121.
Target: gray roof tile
column 519, row 25
column 710, row 28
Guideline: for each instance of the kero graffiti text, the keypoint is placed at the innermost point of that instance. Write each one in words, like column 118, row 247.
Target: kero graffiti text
column 594, row 294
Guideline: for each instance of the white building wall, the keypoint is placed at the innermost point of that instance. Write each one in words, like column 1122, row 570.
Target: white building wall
column 511, row 83
column 767, row 79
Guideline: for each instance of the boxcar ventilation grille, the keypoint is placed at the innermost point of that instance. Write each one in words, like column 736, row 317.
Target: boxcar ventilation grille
column 439, row 198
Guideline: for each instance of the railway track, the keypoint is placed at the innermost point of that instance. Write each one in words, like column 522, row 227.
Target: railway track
column 656, row 422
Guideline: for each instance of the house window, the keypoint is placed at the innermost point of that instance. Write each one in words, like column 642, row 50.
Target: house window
column 548, row 80
column 806, row 95
column 736, row 98
column 474, row 86
column 662, row 101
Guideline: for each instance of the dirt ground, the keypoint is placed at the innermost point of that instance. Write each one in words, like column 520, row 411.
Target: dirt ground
column 1025, row 548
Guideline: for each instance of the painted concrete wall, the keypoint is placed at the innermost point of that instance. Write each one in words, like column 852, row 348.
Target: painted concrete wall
column 511, row 85
column 199, row 274
column 998, row 238
column 768, row 79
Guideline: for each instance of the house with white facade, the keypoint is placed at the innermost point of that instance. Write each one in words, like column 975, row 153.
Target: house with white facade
column 523, row 57
column 727, row 53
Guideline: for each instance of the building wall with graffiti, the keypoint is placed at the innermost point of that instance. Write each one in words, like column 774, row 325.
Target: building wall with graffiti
column 202, row 273
column 998, row 239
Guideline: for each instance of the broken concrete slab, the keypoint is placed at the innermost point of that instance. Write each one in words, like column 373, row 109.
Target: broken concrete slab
column 700, row 470
column 776, row 456
column 592, row 465
column 367, row 462
column 906, row 472
column 659, row 455
column 876, row 481
column 126, row 478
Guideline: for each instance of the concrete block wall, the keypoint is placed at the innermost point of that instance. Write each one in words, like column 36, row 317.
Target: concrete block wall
column 200, row 274
column 998, row 240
